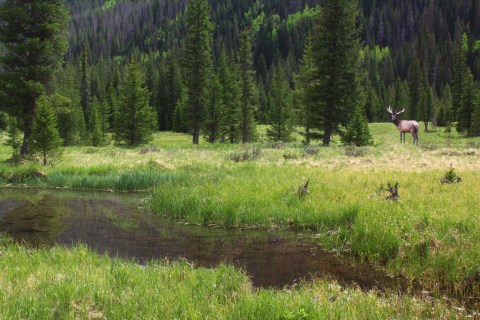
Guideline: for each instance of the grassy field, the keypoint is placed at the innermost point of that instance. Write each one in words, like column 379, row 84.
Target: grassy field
column 431, row 236
column 74, row 283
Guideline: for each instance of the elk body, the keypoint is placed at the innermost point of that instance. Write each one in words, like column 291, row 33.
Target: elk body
column 404, row 126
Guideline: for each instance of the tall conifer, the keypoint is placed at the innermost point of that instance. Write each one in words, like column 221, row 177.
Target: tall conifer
column 135, row 119
column 248, row 90
column 336, row 50
column 46, row 140
column 198, row 63
column 33, row 34
column 280, row 117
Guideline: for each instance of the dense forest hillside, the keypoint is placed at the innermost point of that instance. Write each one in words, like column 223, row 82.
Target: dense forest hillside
column 401, row 38
column 421, row 55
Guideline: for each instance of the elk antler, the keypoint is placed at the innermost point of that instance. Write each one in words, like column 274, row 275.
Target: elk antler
column 389, row 110
column 403, row 110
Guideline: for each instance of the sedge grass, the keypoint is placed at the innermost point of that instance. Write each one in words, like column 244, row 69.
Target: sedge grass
column 75, row 283
column 431, row 236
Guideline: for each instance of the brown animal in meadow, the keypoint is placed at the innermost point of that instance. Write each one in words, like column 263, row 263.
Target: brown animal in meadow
column 404, row 126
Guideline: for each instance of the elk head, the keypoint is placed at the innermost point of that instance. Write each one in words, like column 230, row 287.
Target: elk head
column 394, row 114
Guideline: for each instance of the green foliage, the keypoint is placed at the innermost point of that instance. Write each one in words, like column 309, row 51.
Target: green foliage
column 248, row 91
column 230, row 90
column 40, row 31
column 14, row 139
column 450, row 176
column 335, row 49
column 214, row 110
column 468, row 106
column 135, row 119
column 280, row 116
column 425, row 105
column 97, row 124
column 45, row 139
column 357, row 132
column 198, row 63
column 85, row 85
column 89, row 285
column 305, row 94
column 3, row 121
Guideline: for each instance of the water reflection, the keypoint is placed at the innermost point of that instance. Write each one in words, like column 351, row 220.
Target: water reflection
column 113, row 224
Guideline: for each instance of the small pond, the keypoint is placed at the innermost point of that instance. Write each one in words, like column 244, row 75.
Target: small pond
column 117, row 225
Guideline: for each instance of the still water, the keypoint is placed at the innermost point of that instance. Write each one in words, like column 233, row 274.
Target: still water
column 118, row 225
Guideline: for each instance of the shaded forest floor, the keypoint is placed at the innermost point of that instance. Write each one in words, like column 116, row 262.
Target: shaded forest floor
column 430, row 236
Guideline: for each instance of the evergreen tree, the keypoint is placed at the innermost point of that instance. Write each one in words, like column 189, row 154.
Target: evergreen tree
column 467, row 105
column 230, row 89
column 46, row 140
column 475, row 127
column 425, row 105
column 198, row 63
column 135, row 119
column 444, row 107
column 14, row 139
column 180, row 122
column 460, row 70
column 85, row 85
column 248, row 91
column 214, row 110
column 280, row 117
column 357, row 132
column 415, row 87
column 3, row 121
column 306, row 94
column 97, row 124
column 34, row 42
column 71, row 120
column 336, row 50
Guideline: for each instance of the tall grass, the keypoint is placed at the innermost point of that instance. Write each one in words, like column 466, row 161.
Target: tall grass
column 348, row 211
column 75, row 283
column 431, row 235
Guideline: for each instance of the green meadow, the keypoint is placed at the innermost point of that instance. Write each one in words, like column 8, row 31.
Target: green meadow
column 75, row 283
column 430, row 236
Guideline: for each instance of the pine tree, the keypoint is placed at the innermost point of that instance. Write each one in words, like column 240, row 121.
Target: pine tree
column 214, row 110
column 444, row 107
column 248, row 91
column 228, row 77
column 357, row 132
column 467, row 104
column 280, row 117
column 33, row 44
column 425, row 105
column 415, row 87
column 180, row 122
column 46, row 140
column 336, row 50
column 460, row 70
column 475, row 127
column 97, row 124
column 135, row 119
column 198, row 63
column 306, row 94
column 85, row 85
column 14, row 139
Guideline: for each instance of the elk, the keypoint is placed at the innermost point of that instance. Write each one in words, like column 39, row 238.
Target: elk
column 404, row 126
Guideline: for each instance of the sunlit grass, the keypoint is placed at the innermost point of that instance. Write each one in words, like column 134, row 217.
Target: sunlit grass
column 431, row 235
column 75, row 283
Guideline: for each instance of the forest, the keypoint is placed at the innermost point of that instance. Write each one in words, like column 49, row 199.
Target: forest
column 423, row 56
column 158, row 154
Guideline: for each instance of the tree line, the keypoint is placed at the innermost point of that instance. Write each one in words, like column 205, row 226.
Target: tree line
column 217, row 69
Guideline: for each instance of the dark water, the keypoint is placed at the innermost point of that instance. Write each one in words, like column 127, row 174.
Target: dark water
column 115, row 224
